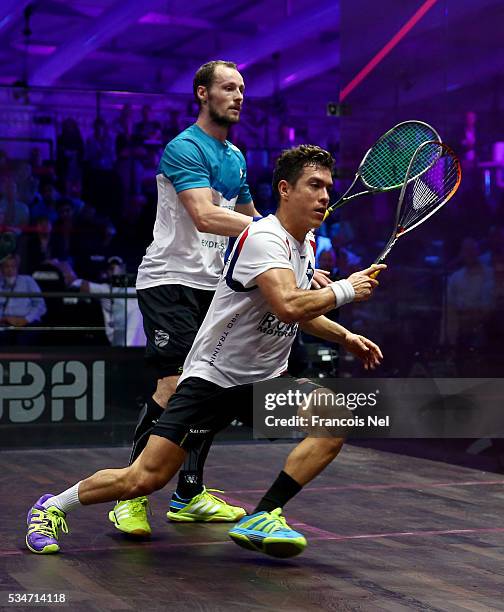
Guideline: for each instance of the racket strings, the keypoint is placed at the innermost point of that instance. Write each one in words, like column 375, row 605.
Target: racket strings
column 387, row 162
column 430, row 190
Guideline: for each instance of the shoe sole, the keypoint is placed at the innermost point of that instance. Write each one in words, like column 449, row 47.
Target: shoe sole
column 194, row 518
column 48, row 550
column 138, row 533
column 280, row 549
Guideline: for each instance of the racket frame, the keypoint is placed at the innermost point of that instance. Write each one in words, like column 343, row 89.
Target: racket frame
column 369, row 188
column 400, row 231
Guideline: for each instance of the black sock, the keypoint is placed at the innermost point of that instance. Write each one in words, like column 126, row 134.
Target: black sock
column 190, row 482
column 149, row 416
column 281, row 491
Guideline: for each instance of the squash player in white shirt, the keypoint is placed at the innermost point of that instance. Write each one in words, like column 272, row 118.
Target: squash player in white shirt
column 264, row 286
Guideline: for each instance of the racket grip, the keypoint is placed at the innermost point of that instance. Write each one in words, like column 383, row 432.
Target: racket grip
column 380, row 260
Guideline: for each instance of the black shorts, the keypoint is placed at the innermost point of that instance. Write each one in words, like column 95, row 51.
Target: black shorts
column 200, row 409
column 172, row 315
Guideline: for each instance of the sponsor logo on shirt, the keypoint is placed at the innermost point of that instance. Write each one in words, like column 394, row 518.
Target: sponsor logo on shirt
column 213, row 244
column 270, row 325
column 161, row 338
column 222, row 339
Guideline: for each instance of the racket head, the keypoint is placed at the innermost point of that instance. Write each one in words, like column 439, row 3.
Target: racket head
column 387, row 163
column 424, row 194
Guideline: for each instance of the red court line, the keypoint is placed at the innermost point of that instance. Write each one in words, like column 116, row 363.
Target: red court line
column 319, row 535
column 327, row 535
column 322, row 534
column 68, row 550
column 378, row 487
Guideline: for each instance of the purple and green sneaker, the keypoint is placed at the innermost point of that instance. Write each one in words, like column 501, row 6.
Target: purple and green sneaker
column 44, row 526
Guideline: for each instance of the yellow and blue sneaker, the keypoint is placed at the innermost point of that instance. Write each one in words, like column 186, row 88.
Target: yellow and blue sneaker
column 205, row 508
column 130, row 516
column 268, row 532
column 44, row 526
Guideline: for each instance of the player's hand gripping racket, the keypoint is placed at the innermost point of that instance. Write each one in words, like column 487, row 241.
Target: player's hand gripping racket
column 385, row 165
column 424, row 193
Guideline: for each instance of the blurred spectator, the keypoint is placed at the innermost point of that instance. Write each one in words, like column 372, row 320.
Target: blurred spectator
column 124, row 131
column 327, row 261
column 135, row 232
column 64, row 229
column 470, row 298
column 18, row 311
column 263, row 198
column 495, row 252
column 40, row 169
column 338, row 240
column 16, row 214
column 469, row 140
column 69, row 151
column 47, row 206
column 38, row 245
column 123, row 321
column 494, row 258
column 171, row 126
column 73, row 192
column 148, row 130
column 129, row 153
column 55, row 275
column 27, row 184
column 99, row 147
column 86, row 253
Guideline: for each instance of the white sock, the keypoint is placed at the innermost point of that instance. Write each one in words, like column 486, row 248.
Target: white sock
column 66, row 501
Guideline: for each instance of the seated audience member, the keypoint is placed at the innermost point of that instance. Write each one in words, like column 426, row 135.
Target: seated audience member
column 337, row 238
column 495, row 252
column 129, row 153
column 69, row 150
column 470, row 298
column 47, row 205
column 87, row 252
column 18, row 311
column 65, row 230
column 148, row 130
column 171, row 127
column 27, row 184
column 73, row 193
column 100, row 147
column 327, row 261
column 41, row 170
column 15, row 214
column 121, row 315
column 37, row 245
column 263, row 198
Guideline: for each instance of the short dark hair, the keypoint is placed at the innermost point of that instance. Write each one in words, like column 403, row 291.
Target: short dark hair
column 289, row 166
column 205, row 75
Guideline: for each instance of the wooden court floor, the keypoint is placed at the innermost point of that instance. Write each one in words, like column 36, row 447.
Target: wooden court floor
column 386, row 532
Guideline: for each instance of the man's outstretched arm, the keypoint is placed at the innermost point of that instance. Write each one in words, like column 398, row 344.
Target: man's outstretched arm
column 291, row 304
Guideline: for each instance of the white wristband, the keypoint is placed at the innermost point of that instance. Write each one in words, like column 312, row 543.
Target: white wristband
column 343, row 292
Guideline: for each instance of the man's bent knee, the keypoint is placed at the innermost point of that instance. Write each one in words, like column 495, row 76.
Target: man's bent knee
column 144, row 483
